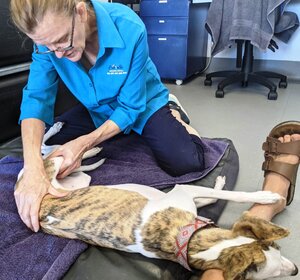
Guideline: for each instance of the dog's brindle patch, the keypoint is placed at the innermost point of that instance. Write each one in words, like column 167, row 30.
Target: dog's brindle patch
column 117, row 212
column 159, row 234
column 69, row 216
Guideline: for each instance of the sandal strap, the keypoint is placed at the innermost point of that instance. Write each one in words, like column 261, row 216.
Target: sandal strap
column 274, row 146
column 289, row 171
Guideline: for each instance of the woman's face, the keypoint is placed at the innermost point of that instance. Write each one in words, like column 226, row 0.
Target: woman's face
column 57, row 32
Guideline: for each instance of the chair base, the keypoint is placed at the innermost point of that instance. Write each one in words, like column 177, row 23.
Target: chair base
column 246, row 75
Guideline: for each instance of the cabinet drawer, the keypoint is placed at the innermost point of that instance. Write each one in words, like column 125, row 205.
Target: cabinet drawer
column 169, row 54
column 166, row 25
column 164, row 8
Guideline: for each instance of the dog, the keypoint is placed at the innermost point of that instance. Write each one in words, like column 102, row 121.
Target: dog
column 141, row 219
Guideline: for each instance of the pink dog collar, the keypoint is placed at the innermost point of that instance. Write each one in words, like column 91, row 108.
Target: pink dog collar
column 184, row 237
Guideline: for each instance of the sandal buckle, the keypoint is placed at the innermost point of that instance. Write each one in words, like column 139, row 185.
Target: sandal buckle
column 272, row 147
column 265, row 165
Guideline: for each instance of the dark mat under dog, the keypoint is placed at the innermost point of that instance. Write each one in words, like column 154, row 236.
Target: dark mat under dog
column 128, row 160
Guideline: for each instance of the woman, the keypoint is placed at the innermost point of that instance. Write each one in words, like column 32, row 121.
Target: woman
column 100, row 52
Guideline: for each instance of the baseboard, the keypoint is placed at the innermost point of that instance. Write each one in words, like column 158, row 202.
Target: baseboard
column 289, row 68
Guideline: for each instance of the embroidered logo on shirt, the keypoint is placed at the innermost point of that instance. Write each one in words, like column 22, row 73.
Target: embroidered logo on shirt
column 116, row 70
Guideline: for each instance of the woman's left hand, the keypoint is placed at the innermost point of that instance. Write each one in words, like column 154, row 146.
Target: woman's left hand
column 72, row 153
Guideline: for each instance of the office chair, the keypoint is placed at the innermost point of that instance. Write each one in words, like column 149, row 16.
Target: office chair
column 246, row 74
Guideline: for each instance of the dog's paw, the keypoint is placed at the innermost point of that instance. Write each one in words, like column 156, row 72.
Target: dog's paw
column 267, row 197
column 220, row 182
column 92, row 152
column 58, row 125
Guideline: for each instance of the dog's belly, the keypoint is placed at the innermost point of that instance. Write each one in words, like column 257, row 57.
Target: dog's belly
column 98, row 215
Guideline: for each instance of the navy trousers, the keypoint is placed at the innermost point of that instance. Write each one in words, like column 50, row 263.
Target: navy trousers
column 176, row 151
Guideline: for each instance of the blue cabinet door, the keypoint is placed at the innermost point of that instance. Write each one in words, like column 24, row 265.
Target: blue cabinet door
column 169, row 54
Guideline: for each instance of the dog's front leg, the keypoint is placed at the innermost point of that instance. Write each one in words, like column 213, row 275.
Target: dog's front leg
column 45, row 149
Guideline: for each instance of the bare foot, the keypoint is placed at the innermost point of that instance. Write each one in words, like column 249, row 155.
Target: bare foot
column 277, row 183
column 189, row 129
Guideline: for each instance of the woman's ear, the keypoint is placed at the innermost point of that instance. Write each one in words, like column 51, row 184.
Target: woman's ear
column 82, row 11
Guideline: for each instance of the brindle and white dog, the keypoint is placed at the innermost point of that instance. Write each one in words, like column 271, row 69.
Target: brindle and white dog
column 141, row 219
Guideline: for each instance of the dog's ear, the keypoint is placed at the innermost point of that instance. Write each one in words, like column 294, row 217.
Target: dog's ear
column 251, row 226
column 236, row 260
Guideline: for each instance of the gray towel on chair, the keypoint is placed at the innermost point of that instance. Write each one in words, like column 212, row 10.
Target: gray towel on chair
column 286, row 26
column 253, row 20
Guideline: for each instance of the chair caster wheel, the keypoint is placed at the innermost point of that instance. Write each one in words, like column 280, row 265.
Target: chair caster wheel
column 272, row 95
column 282, row 84
column 244, row 84
column 179, row 82
column 220, row 93
column 207, row 82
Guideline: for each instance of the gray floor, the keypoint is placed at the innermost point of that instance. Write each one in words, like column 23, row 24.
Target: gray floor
column 245, row 116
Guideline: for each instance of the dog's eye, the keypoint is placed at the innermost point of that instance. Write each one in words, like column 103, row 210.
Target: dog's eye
column 252, row 268
column 266, row 246
column 275, row 246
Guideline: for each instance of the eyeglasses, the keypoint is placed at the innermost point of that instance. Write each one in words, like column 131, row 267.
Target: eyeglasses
column 60, row 49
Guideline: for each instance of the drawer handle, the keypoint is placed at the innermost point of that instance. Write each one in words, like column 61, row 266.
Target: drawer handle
column 161, row 21
column 162, row 39
column 163, row 1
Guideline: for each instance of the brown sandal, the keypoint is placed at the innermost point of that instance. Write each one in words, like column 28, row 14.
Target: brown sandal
column 273, row 147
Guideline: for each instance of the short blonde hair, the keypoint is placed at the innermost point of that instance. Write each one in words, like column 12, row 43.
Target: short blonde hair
column 26, row 14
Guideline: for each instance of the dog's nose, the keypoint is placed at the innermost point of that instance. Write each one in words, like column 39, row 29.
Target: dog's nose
column 295, row 272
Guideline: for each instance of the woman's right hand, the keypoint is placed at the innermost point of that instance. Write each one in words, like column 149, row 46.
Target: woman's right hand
column 30, row 190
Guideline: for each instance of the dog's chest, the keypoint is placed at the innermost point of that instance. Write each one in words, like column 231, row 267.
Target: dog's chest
column 159, row 232
column 98, row 215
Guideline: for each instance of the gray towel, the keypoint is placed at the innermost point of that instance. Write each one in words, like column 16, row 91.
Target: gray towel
column 286, row 26
column 253, row 20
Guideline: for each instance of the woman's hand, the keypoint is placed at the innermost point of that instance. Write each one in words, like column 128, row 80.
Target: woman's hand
column 34, row 183
column 72, row 153
column 31, row 189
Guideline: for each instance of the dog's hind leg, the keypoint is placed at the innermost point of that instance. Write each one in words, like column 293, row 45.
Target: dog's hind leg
column 197, row 192
column 219, row 185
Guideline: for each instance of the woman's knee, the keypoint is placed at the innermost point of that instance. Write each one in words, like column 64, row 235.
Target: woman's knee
column 182, row 163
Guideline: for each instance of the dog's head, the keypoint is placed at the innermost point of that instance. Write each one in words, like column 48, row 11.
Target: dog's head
column 249, row 253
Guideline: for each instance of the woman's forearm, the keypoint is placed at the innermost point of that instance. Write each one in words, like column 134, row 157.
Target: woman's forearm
column 212, row 274
column 32, row 135
column 102, row 133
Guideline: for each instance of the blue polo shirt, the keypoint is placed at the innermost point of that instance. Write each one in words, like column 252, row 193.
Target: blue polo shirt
column 122, row 86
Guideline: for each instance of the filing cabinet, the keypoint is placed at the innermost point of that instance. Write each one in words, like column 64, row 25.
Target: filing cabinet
column 176, row 36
